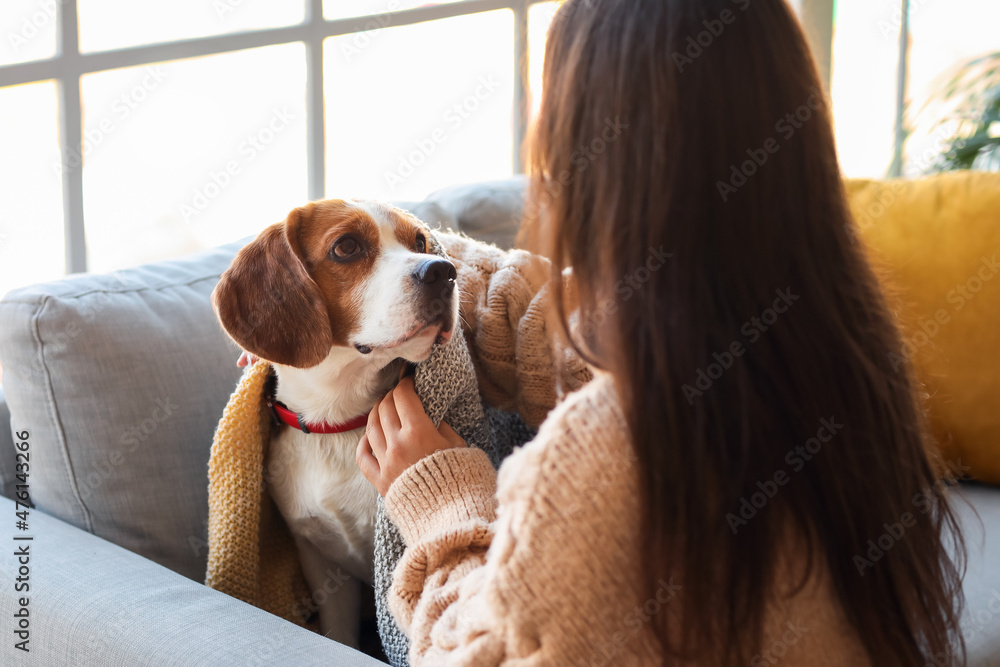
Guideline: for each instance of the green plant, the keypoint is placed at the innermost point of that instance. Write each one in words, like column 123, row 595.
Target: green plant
column 966, row 111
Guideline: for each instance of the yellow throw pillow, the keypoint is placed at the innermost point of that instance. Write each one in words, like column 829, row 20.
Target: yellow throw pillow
column 935, row 243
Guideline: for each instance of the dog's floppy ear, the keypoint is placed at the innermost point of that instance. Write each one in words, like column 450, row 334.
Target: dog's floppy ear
column 269, row 304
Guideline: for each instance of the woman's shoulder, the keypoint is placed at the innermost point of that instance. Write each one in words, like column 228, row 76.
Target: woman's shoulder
column 582, row 444
column 592, row 412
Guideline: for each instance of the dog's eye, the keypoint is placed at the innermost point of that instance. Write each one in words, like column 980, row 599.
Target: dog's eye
column 421, row 243
column 345, row 248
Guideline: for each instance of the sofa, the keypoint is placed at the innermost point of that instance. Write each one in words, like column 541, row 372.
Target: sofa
column 116, row 383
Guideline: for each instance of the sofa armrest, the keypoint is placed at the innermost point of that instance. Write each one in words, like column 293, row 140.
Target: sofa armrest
column 93, row 603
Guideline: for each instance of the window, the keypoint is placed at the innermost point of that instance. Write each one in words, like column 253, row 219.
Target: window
column 29, row 31
column 413, row 132
column 132, row 132
column 102, row 21
column 867, row 83
column 31, row 238
column 942, row 36
column 191, row 153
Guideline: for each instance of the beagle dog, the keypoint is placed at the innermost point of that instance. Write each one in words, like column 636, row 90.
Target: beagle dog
column 337, row 298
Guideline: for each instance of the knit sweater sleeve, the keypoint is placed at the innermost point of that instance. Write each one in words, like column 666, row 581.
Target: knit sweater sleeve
column 447, row 594
column 493, row 567
column 506, row 299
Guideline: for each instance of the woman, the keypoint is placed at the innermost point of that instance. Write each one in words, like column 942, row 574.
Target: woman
column 709, row 497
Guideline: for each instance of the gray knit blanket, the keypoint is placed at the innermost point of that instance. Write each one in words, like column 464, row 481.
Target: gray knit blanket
column 447, row 386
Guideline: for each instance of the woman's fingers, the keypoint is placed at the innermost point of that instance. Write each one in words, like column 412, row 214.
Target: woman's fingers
column 407, row 404
column 449, row 434
column 387, row 414
column 367, row 462
column 374, row 434
column 398, row 435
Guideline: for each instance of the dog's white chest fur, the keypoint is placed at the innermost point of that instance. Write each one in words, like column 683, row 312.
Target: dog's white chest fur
column 323, row 496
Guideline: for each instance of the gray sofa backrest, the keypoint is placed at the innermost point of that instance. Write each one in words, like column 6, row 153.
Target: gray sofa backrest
column 120, row 381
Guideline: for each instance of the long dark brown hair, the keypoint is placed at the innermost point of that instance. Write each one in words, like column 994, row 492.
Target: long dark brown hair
column 698, row 129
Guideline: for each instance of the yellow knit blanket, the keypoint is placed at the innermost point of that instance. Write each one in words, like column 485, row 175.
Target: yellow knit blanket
column 251, row 553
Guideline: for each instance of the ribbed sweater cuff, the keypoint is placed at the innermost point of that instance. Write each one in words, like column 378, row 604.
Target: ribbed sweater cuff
column 448, row 487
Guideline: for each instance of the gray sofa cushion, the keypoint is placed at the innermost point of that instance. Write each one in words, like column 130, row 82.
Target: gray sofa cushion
column 981, row 619
column 436, row 216
column 95, row 604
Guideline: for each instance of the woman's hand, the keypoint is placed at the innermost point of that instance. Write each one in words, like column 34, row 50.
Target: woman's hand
column 246, row 359
column 399, row 434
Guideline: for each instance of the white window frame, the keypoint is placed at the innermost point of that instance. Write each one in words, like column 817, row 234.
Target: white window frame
column 817, row 19
column 69, row 65
column 902, row 77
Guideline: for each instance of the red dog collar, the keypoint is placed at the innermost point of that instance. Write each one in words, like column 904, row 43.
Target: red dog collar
column 294, row 419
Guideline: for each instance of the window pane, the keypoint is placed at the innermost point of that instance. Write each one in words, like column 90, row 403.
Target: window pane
column 539, row 20
column 31, row 217
column 116, row 24
column 191, row 154
column 342, row 9
column 405, row 116
column 944, row 36
column 29, row 30
column 865, row 61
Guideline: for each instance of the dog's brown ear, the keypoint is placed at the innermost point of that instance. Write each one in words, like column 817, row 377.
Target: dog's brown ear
column 269, row 304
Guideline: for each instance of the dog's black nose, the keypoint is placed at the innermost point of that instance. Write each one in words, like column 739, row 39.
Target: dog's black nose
column 436, row 273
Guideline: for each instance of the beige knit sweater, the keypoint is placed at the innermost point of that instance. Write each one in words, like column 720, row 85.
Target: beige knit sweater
column 539, row 565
